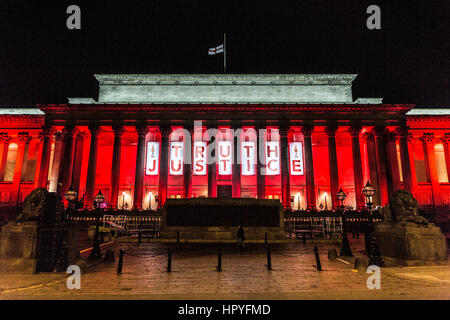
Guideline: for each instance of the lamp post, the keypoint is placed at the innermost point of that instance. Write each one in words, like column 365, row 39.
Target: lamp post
column 70, row 196
column 368, row 192
column 326, row 205
column 372, row 248
column 96, row 253
column 345, row 248
column 341, row 197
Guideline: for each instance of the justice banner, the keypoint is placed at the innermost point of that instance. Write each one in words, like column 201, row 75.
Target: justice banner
column 176, row 158
column 272, row 158
column 200, row 158
column 296, row 158
column 248, row 156
column 152, row 165
column 225, row 157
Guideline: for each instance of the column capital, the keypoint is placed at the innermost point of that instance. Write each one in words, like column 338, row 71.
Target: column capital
column 331, row 130
column 189, row 128
column 24, row 137
column 141, row 130
column 283, row 130
column 58, row 135
column 69, row 131
column 391, row 136
column 47, row 130
column 83, row 134
column 307, row 131
column 118, row 129
column 368, row 136
column 94, row 129
column 410, row 137
column 402, row 131
column 427, row 137
column 165, row 131
column 4, row 138
column 445, row 138
column 259, row 126
column 355, row 131
column 379, row 131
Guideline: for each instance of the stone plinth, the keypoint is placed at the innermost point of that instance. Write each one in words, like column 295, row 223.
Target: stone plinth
column 18, row 247
column 30, row 248
column 410, row 244
column 218, row 219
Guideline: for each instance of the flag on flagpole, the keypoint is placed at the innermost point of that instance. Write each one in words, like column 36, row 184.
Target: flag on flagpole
column 216, row 50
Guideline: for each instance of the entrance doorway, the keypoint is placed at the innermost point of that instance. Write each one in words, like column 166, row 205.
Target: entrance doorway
column 224, row 192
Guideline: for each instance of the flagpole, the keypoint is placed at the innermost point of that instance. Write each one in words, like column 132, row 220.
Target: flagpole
column 224, row 53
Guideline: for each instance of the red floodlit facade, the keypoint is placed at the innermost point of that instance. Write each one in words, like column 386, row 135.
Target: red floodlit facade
column 105, row 146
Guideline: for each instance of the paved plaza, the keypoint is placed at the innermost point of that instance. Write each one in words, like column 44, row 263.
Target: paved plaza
column 244, row 276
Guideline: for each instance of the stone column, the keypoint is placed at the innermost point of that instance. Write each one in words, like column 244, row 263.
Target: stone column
column 445, row 139
column 310, row 187
column 115, row 168
column 285, row 179
column 4, row 140
column 380, row 132
column 333, row 164
column 392, row 160
column 23, row 141
column 187, row 162
column 260, row 167
column 430, row 157
column 78, row 161
column 92, row 165
column 56, row 163
column 212, row 166
column 66, row 162
column 357, row 166
column 236, row 178
column 163, row 165
column 47, row 132
column 372, row 161
column 402, row 132
column 142, row 131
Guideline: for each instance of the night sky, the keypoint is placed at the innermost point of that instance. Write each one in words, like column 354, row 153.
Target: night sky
column 407, row 61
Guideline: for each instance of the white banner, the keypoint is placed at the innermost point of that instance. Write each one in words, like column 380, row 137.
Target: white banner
column 176, row 158
column 296, row 158
column 272, row 158
column 199, row 158
column 248, row 156
column 152, row 166
column 225, row 157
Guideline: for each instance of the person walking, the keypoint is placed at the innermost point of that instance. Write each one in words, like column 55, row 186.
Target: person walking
column 240, row 237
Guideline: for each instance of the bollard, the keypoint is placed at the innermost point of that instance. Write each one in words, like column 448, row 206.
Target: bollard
column 316, row 253
column 178, row 237
column 219, row 261
column 169, row 260
column 304, row 238
column 269, row 259
column 119, row 266
column 265, row 238
column 139, row 236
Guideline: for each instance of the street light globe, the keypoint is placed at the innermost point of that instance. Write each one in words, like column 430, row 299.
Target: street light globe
column 99, row 198
column 341, row 195
column 368, row 190
column 70, row 194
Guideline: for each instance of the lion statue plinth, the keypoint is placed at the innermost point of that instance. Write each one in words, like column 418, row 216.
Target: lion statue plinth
column 403, row 208
column 34, row 206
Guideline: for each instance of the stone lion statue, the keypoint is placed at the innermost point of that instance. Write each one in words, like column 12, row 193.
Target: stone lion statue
column 403, row 208
column 34, row 206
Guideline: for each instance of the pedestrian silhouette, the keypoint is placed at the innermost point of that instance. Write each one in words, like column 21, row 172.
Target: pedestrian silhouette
column 240, row 237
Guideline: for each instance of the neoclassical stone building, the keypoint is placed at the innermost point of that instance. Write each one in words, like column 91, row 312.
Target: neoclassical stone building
column 314, row 138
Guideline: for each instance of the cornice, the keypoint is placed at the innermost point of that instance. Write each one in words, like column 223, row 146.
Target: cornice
column 224, row 79
column 158, row 108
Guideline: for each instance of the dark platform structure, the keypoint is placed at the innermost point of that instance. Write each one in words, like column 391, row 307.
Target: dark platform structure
column 218, row 219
